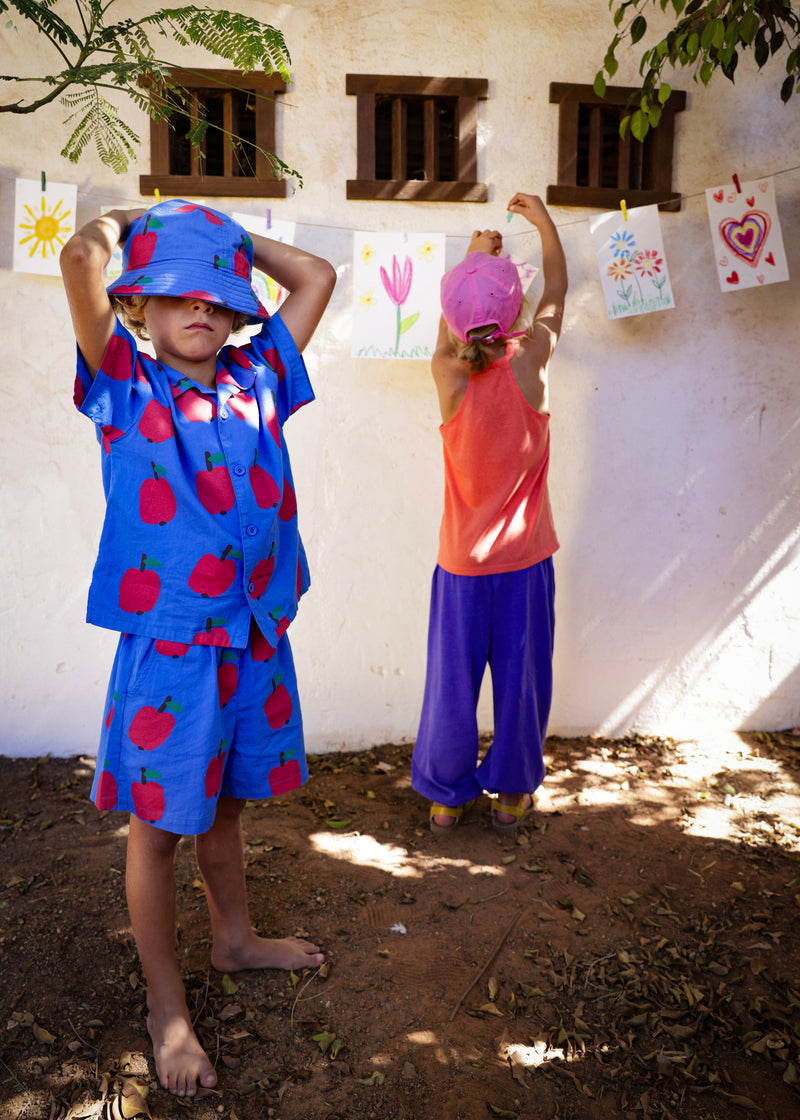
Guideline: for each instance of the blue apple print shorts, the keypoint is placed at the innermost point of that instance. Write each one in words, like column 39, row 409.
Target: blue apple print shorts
column 184, row 725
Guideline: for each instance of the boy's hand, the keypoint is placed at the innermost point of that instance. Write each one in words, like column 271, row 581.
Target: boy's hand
column 486, row 241
column 530, row 206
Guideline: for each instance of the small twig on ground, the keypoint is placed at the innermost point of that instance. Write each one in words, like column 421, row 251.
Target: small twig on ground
column 487, row 964
column 300, row 992
column 491, row 898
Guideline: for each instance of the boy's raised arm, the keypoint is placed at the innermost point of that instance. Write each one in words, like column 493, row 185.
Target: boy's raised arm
column 309, row 280
column 82, row 261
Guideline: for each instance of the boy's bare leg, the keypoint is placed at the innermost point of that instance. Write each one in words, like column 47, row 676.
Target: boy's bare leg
column 236, row 946
column 181, row 1062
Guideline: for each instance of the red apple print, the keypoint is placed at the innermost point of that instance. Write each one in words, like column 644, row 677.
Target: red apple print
column 156, row 423
column 78, row 392
column 286, row 777
column 241, row 265
column 151, row 726
column 260, row 649
column 261, row 575
column 109, row 434
column 212, row 575
column 278, row 709
column 298, row 587
column 171, row 649
column 288, row 502
column 142, row 246
column 266, row 491
column 118, row 359
column 245, row 407
column 227, row 677
column 194, row 405
column 282, row 623
column 110, row 715
column 215, row 768
column 140, row 587
column 106, row 790
column 239, row 358
column 214, row 486
column 148, row 797
column 157, row 503
column 196, row 293
column 211, row 216
column 271, row 419
column 213, row 635
column 273, row 359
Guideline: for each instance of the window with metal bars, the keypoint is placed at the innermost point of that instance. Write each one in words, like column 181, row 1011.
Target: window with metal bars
column 232, row 159
column 416, row 138
column 599, row 168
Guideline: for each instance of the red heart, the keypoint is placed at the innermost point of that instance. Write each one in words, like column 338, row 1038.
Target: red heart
column 769, row 258
column 751, row 201
column 719, row 195
column 733, row 278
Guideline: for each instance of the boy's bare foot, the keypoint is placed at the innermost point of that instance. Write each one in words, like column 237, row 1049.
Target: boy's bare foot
column 264, row 952
column 181, row 1062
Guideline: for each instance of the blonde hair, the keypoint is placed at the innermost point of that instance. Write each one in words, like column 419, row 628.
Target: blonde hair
column 130, row 310
column 479, row 354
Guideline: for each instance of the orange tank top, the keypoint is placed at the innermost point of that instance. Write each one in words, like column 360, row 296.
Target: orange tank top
column 497, row 514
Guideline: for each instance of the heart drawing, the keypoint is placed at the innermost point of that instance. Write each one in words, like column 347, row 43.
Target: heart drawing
column 746, row 237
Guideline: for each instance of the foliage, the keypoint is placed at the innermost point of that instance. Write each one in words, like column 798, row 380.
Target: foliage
column 97, row 55
column 709, row 36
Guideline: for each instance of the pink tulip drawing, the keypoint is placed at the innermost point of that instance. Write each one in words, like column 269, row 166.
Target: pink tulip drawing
column 397, row 290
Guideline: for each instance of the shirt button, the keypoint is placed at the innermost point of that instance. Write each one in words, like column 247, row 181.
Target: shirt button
column 252, row 530
column 223, row 414
column 239, row 469
column 251, row 587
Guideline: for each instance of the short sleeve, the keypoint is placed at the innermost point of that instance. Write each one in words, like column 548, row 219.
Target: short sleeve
column 275, row 347
column 120, row 390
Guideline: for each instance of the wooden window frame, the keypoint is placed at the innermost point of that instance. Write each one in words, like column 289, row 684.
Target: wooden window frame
column 465, row 91
column 656, row 155
column 263, row 184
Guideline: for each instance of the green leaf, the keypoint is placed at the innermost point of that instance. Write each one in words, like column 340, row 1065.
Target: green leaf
column 693, row 46
column 749, row 26
column 339, row 824
column 638, row 28
column 640, row 126
column 664, row 91
column 407, row 323
column 787, row 87
column 599, row 85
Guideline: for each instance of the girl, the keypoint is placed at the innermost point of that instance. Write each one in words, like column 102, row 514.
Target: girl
column 493, row 589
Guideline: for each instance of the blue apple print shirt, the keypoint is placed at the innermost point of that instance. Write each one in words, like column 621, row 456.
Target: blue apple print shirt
column 200, row 531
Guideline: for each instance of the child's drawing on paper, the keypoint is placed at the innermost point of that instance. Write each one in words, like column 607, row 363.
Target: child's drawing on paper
column 43, row 221
column 632, row 263
column 396, row 281
column 746, row 234
column 269, row 291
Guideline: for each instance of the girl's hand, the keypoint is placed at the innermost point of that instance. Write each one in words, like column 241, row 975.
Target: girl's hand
column 486, row 241
column 530, row 206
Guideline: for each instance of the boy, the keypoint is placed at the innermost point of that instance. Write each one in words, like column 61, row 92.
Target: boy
column 200, row 568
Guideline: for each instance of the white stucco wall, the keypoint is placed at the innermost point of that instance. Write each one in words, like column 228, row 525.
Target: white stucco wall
column 674, row 470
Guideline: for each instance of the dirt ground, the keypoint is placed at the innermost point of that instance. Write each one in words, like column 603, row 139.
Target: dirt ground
column 633, row 953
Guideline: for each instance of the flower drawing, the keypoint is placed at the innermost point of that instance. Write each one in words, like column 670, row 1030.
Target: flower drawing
column 647, row 262
column 622, row 242
column 367, row 299
column 427, row 251
column 618, row 270
column 397, row 289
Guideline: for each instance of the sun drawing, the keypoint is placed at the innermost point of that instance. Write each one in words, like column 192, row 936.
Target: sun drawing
column 46, row 230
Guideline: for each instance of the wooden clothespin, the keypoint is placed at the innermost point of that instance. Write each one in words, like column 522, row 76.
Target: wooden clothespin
column 624, row 208
column 736, row 183
column 44, row 182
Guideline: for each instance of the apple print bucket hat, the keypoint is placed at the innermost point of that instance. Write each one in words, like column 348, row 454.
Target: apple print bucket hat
column 180, row 249
column 482, row 289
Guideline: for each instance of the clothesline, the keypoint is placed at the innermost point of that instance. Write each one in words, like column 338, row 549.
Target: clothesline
column 507, row 235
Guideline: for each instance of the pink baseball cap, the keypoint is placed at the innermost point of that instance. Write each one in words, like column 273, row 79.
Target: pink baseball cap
column 481, row 290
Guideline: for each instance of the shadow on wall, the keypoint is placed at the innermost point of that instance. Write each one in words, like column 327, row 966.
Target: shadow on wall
column 685, row 525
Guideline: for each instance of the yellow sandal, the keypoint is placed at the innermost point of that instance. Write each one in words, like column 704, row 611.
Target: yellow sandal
column 439, row 810
column 521, row 811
